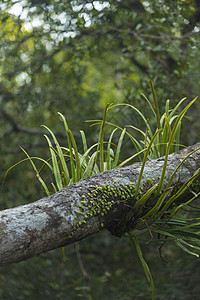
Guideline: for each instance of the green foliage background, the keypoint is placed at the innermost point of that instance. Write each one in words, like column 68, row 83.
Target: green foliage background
column 75, row 57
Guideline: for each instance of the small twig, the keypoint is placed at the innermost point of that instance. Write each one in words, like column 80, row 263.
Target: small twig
column 80, row 261
column 16, row 128
column 149, row 230
column 160, row 250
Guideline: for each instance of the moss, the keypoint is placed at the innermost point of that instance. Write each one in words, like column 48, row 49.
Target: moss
column 100, row 199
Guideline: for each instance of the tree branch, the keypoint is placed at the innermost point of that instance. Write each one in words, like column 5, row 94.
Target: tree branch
column 15, row 127
column 66, row 216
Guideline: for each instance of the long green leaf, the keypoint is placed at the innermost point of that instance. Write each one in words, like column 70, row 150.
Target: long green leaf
column 70, row 146
column 141, row 202
column 56, row 170
column 179, row 244
column 61, row 157
column 171, row 141
column 176, row 107
column 100, row 147
column 139, row 113
column 134, row 140
column 126, row 161
column 155, row 105
column 90, row 167
column 145, row 160
column 109, row 160
column 148, row 101
column 183, row 205
column 84, row 141
column 27, row 159
column 157, row 115
column 178, row 167
column 76, row 154
column 158, row 204
column 135, row 244
column 116, row 160
column 37, row 173
column 178, row 194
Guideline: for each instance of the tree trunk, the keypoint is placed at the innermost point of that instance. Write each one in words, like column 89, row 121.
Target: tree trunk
column 99, row 202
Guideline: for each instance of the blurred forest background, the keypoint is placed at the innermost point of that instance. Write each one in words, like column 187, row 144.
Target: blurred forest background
column 75, row 57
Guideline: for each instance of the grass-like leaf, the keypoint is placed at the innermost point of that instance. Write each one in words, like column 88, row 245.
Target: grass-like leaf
column 27, row 159
column 171, row 140
column 145, row 160
column 37, row 173
column 141, row 202
column 70, row 146
column 56, row 170
column 116, row 160
column 109, row 150
column 139, row 113
column 135, row 244
column 77, row 160
column 61, row 157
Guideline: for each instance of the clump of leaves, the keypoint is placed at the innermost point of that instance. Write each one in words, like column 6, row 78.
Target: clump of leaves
column 69, row 165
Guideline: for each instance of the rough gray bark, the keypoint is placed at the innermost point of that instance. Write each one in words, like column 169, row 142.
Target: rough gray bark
column 48, row 223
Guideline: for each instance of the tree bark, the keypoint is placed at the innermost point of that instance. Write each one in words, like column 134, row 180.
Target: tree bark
column 77, row 211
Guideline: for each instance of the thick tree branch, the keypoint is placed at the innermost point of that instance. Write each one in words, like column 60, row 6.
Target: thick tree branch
column 60, row 219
